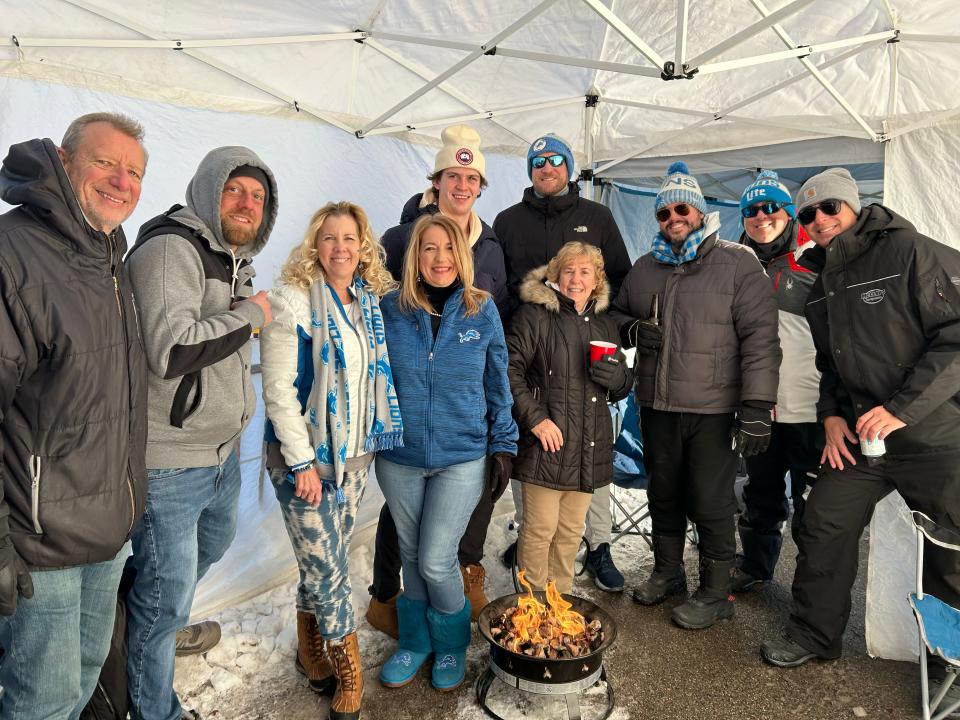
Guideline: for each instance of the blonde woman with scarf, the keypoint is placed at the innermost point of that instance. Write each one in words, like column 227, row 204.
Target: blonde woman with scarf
column 331, row 405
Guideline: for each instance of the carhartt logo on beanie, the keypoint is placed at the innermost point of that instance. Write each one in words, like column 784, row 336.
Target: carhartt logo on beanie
column 461, row 148
column 832, row 184
column 550, row 143
column 680, row 187
column 768, row 188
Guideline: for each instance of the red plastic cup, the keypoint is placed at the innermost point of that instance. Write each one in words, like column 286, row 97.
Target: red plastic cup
column 599, row 348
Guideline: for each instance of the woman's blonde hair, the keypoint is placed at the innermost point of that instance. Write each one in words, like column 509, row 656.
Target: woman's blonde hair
column 412, row 293
column 302, row 267
column 572, row 251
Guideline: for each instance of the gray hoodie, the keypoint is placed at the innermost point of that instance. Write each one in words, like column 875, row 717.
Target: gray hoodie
column 195, row 325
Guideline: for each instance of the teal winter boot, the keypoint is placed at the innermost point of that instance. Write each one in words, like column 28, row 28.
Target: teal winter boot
column 450, row 636
column 413, row 646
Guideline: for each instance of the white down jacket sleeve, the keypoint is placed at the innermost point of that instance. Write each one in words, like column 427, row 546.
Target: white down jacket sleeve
column 279, row 351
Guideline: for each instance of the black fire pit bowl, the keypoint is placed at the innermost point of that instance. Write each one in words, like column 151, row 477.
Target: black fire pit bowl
column 545, row 670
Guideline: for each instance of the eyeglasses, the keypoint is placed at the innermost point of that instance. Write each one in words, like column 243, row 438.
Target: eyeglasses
column 681, row 209
column 541, row 160
column 769, row 208
column 827, row 207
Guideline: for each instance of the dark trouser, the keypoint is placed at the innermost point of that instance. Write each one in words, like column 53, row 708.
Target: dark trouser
column 838, row 508
column 386, row 559
column 692, row 470
column 794, row 448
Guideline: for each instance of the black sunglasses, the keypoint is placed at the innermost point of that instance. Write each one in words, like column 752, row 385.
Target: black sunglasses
column 827, row 207
column 769, row 208
column 681, row 209
column 540, row 160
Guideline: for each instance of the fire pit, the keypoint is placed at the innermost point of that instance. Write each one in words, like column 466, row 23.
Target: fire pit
column 567, row 676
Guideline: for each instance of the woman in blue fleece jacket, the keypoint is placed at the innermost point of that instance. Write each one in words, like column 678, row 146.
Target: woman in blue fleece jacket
column 449, row 361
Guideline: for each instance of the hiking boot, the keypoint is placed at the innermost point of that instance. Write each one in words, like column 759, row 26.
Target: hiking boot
column 345, row 656
column 712, row 601
column 509, row 557
column 383, row 615
column 197, row 638
column 312, row 659
column 742, row 581
column 785, row 653
column 473, row 577
column 599, row 565
column 668, row 576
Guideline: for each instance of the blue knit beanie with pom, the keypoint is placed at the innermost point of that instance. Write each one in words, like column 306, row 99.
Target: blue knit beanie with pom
column 680, row 187
column 768, row 188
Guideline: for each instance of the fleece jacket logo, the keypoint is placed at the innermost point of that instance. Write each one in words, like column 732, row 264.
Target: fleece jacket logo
column 468, row 336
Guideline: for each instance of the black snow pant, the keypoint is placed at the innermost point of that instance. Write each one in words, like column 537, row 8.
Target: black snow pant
column 794, row 448
column 692, row 469
column 838, row 508
column 386, row 558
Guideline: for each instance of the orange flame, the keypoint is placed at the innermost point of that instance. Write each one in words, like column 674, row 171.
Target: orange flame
column 541, row 624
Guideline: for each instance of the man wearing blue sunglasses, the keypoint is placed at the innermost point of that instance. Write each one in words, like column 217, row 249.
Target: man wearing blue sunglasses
column 771, row 230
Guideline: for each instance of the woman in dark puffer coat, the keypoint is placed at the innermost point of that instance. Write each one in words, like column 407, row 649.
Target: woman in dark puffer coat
column 560, row 404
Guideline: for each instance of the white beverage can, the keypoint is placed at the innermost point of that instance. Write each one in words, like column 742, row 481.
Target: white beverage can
column 872, row 448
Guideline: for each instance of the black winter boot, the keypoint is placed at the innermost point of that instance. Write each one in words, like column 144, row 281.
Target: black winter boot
column 668, row 576
column 712, row 600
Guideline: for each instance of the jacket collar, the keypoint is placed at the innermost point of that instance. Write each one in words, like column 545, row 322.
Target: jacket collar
column 535, row 291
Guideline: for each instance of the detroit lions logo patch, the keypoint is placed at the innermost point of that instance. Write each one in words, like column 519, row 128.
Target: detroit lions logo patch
column 872, row 297
column 468, row 336
column 447, row 661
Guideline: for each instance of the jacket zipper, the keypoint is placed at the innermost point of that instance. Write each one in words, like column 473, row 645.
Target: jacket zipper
column 133, row 503
column 35, row 493
column 235, row 274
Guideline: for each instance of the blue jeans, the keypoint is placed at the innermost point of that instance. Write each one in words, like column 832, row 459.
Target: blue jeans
column 431, row 508
column 57, row 641
column 188, row 524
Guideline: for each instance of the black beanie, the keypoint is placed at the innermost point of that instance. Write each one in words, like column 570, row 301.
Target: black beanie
column 257, row 174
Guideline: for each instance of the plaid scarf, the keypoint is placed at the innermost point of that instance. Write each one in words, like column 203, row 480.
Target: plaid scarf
column 328, row 407
column 662, row 249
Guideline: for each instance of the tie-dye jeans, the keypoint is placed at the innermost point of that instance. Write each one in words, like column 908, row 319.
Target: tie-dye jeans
column 321, row 541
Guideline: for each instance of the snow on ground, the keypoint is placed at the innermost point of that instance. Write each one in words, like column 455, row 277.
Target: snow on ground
column 252, row 668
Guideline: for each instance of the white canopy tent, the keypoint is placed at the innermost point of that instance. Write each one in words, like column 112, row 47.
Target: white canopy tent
column 347, row 99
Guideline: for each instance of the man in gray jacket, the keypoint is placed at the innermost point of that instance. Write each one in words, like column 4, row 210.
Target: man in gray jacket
column 192, row 279
column 702, row 315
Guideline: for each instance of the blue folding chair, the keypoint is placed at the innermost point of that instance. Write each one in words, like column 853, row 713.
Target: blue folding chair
column 630, row 514
column 938, row 622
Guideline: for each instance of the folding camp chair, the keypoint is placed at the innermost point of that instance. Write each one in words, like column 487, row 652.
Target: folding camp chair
column 938, row 622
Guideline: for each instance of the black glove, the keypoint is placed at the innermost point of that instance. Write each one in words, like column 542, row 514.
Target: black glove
column 14, row 578
column 646, row 337
column 498, row 474
column 751, row 430
column 610, row 371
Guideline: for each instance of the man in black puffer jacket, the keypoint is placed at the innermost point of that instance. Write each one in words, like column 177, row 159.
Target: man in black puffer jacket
column 551, row 214
column 72, row 409
column 885, row 318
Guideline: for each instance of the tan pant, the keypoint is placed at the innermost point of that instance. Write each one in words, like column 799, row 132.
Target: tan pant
column 550, row 535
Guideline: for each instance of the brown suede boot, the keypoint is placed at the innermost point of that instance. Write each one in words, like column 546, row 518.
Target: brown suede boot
column 345, row 655
column 383, row 616
column 312, row 659
column 473, row 577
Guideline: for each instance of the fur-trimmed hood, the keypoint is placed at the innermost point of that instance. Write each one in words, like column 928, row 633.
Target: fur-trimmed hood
column 534, row 289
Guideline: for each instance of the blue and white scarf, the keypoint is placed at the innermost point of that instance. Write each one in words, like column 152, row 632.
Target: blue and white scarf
column 327, row 408
column 662, row 249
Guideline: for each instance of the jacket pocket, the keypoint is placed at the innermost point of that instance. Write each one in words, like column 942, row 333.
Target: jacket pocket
column 35, row 466
column 178, row 409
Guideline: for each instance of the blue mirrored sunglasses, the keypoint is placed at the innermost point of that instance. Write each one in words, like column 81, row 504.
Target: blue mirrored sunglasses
column 540, row 160
column 769, row 208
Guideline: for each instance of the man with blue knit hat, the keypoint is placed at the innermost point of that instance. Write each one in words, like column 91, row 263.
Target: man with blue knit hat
column 551, row 214
column 885, row 317
column 770, row 229
column 701, row 313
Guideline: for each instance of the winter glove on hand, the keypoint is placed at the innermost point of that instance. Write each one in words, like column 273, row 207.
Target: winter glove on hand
column 610, row 371
column 498, row 474
column 751, row 431
column 14, row 578
column 646, row 337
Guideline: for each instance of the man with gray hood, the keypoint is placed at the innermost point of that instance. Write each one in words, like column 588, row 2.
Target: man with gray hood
column 192, row 279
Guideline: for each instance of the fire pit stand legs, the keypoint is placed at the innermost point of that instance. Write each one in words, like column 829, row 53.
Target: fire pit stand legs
column 570, row 691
